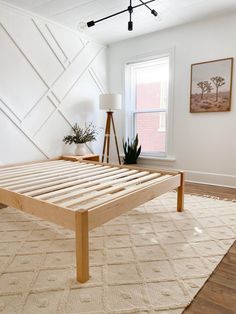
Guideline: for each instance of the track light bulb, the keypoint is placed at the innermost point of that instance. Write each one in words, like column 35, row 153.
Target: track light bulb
column 130, row 26
column 91, row 23
column 154, row 12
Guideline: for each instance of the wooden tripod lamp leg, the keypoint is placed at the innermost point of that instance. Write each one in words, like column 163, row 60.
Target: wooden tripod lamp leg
column 117, row 147
column 106, row 145
column 108, row 135
column 82, row 246
column 105, row 140
column 180, row 194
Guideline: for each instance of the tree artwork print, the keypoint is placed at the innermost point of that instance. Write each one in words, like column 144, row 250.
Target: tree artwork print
column 211, row 86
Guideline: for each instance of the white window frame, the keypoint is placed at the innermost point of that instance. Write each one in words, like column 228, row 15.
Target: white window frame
column 130, row 101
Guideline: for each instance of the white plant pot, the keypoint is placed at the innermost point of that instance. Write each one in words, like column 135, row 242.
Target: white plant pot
column 82, row 149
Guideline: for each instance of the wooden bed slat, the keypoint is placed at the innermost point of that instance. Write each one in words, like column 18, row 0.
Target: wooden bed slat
column 95, row 185
column 30, row 165
column 68, row 184
column 35, row 168
column 113, row 174
column 98, row 202
column 116, row 188
column 49, row 177
column 106, row 211
column 85, row 173
column 37, row 171
column 136, row 167
column 41, row 176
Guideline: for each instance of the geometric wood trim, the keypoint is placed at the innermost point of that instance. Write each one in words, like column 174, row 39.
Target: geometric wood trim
column 24, row 133
column 24, row 55
column 45, row 39
column 82, row 73
column 57, row 43
column 53, row 43
column 97, row 81
column 9, row 109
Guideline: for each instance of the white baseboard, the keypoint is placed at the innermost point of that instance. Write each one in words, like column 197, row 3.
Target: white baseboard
column 191, row 175
column 211, row 178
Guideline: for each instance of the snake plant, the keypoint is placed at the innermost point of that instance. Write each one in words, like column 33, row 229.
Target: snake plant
column 131, row 150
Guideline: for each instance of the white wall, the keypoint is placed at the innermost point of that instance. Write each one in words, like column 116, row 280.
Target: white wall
column 204, row 144
column 50, row 78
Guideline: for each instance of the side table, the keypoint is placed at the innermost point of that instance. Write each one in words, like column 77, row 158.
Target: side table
column 91, row 157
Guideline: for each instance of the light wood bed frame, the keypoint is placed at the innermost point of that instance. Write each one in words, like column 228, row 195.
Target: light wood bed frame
column 83, row 195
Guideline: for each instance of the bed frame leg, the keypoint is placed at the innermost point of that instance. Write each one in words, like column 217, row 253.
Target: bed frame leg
column 180, row 194
column 82, row 246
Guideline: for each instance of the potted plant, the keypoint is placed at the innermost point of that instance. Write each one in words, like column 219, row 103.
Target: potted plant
column 80, row 137
column 131, row 150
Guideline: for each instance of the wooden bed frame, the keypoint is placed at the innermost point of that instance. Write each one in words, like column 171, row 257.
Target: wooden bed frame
column 83, row 195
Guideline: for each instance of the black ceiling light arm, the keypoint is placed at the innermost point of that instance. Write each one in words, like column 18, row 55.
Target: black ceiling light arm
column 154, row 12
column 92, row 23
column 130, row 10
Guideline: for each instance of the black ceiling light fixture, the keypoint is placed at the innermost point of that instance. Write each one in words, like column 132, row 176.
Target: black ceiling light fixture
column 130, row 10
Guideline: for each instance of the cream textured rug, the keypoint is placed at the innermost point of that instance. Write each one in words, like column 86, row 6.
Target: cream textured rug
column 151, row 260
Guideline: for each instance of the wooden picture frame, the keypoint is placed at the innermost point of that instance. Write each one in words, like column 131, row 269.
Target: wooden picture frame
column 211, row 86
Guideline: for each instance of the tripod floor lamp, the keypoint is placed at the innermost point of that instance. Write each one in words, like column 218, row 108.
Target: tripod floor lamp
column 110, row 102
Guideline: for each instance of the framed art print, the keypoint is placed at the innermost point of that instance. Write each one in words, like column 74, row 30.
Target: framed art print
column 211, row 86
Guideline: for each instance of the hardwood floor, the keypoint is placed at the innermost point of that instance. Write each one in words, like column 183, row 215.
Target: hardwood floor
column 218, row 191
column 218, row 295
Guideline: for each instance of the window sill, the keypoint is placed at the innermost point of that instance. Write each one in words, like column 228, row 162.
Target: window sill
column 158, row 158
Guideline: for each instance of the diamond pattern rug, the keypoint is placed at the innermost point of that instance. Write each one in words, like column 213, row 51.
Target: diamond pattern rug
column 150, row 260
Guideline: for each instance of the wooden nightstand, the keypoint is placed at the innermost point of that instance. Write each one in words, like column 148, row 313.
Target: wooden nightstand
column 91, row 157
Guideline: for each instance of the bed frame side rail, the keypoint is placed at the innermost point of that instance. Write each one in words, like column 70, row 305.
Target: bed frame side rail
column 117, row 206
column 48, row 211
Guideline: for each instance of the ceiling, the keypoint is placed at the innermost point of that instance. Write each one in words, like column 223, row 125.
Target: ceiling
column 75, row 13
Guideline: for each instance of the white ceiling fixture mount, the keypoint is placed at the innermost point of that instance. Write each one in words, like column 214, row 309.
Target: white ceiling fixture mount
column 130, row 10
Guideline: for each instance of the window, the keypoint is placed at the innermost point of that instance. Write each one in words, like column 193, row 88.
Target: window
column 147, row 95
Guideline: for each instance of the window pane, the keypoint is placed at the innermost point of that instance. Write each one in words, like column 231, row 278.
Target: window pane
column 151, row 84
column 151, row 129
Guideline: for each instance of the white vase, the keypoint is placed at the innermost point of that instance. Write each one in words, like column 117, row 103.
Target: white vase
column 82, row 149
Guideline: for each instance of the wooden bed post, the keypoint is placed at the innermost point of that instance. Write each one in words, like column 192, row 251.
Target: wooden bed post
column 180, row 194
column 82, row 246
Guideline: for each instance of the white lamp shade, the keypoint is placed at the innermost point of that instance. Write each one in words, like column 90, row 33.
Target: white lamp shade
column 110, row 102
